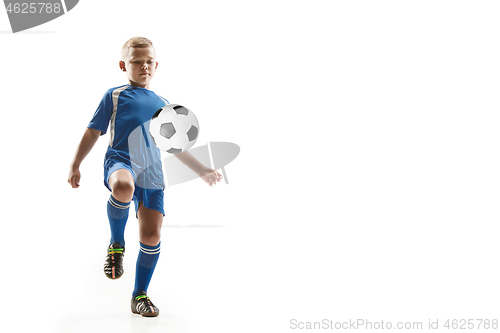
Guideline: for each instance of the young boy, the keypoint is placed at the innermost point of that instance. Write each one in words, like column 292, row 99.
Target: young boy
column 124, row 109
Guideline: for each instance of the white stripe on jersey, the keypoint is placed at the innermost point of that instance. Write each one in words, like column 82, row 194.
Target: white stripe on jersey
column 114, row 95
column 163, row 99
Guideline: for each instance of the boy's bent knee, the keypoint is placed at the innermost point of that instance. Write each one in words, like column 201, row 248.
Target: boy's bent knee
column 122, row 189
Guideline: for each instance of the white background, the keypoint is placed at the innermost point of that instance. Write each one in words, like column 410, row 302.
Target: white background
column 367, row 184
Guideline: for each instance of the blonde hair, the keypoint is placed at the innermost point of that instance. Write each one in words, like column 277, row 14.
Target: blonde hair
column 135, row 42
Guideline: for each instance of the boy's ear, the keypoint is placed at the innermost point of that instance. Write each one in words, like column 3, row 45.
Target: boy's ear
column 156, row 65
column 122, row 66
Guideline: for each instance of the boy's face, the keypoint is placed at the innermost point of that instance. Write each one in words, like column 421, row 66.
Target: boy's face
column 140, row 65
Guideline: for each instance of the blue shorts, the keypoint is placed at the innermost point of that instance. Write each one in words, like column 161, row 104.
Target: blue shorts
column 150, row 198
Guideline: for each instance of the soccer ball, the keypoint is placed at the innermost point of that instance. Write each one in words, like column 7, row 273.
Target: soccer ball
column 174, row 128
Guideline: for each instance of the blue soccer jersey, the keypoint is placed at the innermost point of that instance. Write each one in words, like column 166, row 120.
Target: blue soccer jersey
column 127, row 111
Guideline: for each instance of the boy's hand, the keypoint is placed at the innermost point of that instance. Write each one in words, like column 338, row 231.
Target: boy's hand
column 210, row 176
column 74, row 178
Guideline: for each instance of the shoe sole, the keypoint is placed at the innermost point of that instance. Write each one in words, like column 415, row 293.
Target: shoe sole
column 111, row 276
column 146, row 314
column 113, row 273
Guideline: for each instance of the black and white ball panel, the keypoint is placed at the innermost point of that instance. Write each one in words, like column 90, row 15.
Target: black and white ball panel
column 174, row 128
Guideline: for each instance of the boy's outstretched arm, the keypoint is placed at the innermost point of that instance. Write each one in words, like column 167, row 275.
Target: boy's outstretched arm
column 210, row 176
column 86, row 144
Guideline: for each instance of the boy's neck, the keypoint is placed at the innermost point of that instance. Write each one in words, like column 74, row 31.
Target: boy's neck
column 134, row 84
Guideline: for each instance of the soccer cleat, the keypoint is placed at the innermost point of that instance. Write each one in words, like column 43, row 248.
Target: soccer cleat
column 142, row 305
column 113, row 267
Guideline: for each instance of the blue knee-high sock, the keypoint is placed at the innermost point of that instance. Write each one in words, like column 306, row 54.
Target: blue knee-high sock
column 146, row 263
column 117, row 215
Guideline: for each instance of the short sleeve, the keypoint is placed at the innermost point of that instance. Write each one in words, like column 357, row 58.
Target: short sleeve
column 102, row 116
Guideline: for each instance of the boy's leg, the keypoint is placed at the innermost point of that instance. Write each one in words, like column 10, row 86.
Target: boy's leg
column 122, row 188
column 150, row 222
